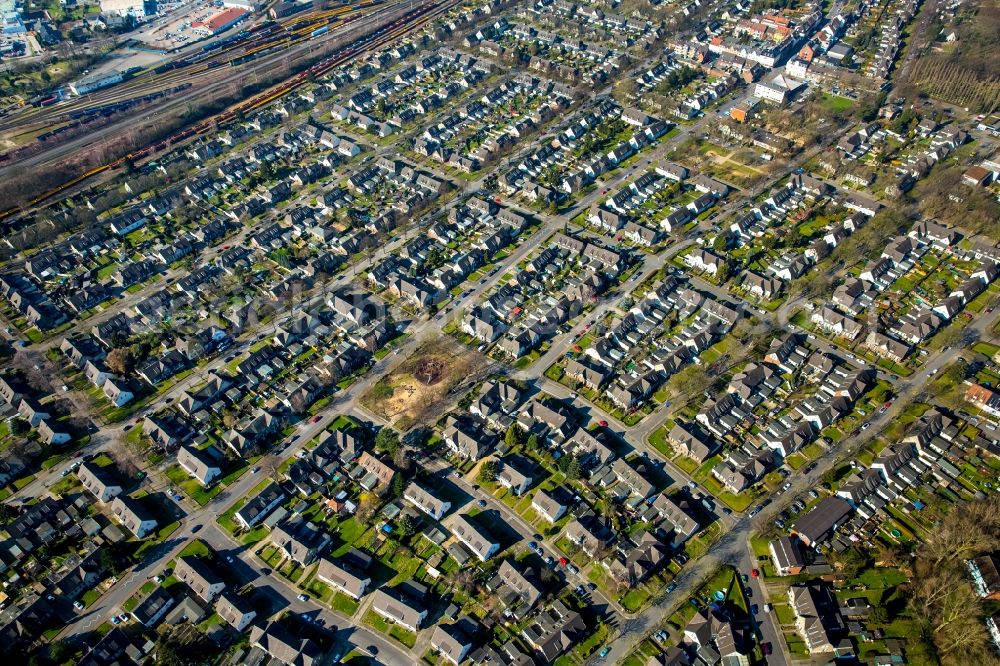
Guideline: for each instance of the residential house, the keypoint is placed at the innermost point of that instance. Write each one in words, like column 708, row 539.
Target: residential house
column 554, row 631
column 199, row 464
column 153, row 607
column 343, row 577
column 235, row 610
column 786, row 556
column 821, row 521
column 512, row 477
column 452, row 641
column 199, row 576
column 284, row 648
column 424, row 500
column 404, row 613
column 817, row 617
column 259, row 506
column 133, row 515
column 100, row 482
column 372, row 472
column 474, row 538
column 547, row 506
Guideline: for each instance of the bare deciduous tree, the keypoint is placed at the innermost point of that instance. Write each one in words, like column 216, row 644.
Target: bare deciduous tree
column 119, row 361
column 127, row 456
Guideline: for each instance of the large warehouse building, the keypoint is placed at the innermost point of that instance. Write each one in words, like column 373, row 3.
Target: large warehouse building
column 220, row 22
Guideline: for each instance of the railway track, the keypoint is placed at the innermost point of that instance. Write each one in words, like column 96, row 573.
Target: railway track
column 411, row 20
column 268, row 37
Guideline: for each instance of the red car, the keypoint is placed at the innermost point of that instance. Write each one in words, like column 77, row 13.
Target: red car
column 563, row 561
column 317, row 418
column 602, row 423
column 755, row 573
column 766, row 647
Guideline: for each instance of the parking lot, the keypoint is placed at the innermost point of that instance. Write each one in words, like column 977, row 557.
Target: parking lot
column 174, row 30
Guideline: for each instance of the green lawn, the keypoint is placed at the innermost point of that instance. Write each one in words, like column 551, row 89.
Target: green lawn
column 196, row 548
column 795, row 460
column 344, row 604
column 658, row 440
column 373, row 619
column 404, row 636
column 192, row 487
column 784, row 613
column 634, row 599
column 90, row 596
column 760, row 545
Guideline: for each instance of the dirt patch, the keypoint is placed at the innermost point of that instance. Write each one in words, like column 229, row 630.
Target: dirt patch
column 431, row 370
column 419, row 391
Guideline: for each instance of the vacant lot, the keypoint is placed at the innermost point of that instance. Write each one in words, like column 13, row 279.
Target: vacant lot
column 424, row 383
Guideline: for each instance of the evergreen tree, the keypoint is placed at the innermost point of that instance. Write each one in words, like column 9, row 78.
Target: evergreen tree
column 532, row 443
column 514, row 436
column 387, row 441
column 574, row 470
column 488, row 471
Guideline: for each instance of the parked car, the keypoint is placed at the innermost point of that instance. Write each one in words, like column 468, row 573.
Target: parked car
column 302, row 597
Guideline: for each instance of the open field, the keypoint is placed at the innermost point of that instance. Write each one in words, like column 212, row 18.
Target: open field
column 417, row 390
